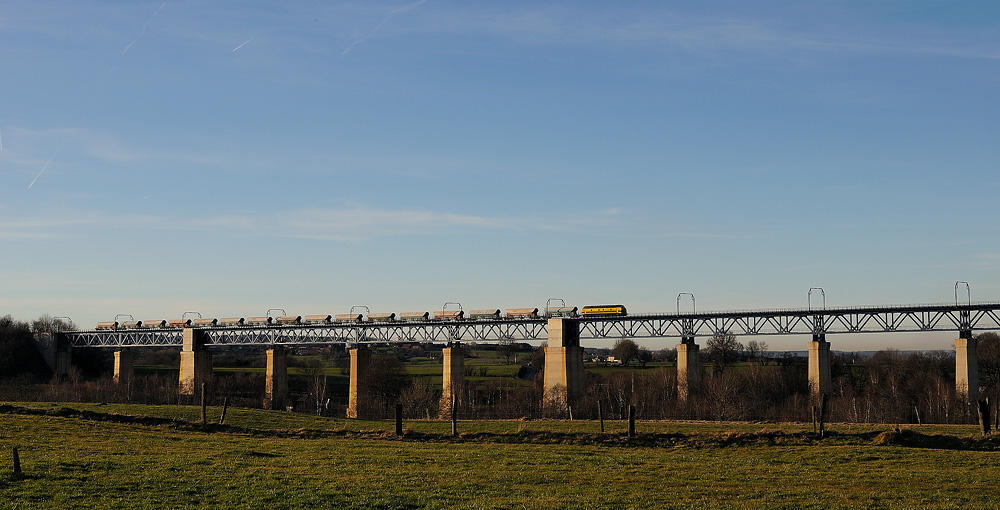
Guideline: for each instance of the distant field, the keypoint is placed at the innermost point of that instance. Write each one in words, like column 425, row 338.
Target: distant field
column 102, row 456
column 483, row 366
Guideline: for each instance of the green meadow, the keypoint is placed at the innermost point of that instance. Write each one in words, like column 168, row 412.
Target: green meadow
column 128, row 456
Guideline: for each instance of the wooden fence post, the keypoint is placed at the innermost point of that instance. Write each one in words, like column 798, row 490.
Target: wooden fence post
column 600, row 414
column 203, row 419
column 17, row 463
column 225, row 405
column 996, row 417
column 822, row 415
column 399, row 419
column 454, row 417
column 631, row 421
column 984, row 416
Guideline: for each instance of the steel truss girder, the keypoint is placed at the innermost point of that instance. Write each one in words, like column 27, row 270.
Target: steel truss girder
column 963, row 318
column 468, row 331
column 799, row 322
column 124, row 338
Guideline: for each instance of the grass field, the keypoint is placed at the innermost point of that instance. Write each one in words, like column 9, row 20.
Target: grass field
column 104, row 456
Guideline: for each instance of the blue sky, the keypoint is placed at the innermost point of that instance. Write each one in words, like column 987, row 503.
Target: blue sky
column 230, row 157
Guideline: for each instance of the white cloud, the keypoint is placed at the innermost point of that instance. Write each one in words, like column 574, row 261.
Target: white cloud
column 356, row 224
column 668, row 30
column 95, row 143
column 349, row 224
column 343, row 224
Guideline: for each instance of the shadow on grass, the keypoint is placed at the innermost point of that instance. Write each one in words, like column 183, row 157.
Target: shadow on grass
column 913, row 439
column 262, row 455
column 907, row 438
column 11, row 478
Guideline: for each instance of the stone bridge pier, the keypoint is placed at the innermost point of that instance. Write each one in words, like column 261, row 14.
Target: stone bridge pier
column 820, row 382
column 196, row 363
column 966, row 368
column 688, row 369
column 123, row 367
column 276, row 379
column 454, row 378
column 64, row 363
column 563, row 377
column 361, row 359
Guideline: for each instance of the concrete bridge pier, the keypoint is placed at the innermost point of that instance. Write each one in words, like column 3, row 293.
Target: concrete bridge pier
column 361, row 359
column 47, row 345
column 64, row 363
column 454, row 378
column 123, row 367
column 688, row 369
column 563, row 376
column 966, row 368
column 196, row 363
column 276, row 379
column 820, row 382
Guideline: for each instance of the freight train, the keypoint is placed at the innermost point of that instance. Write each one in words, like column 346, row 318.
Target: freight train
column 358, row 318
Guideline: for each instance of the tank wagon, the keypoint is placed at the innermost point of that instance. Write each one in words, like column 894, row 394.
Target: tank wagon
column 382, row 317
column 289, row 320
column 342, row 318
column 358, row 318
column 317, row 319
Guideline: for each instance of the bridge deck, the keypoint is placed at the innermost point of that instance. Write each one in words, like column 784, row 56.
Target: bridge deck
column 864, row 319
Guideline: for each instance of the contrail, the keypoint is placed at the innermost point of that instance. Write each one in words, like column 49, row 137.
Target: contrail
column 244, row 43
column 142, row 33
column 365, row 38
column 46, row 165
column 146, row 25
column 390, row 15
column 407, row 7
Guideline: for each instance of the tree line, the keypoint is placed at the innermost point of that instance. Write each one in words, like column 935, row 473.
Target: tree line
column 738, row 382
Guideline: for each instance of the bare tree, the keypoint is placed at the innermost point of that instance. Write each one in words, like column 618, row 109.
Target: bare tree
column 538, row 357
column 18, row 353
column 385, row 381
column 665, row 354
column 988, row 352
column 507, row 347
column 315, row 370
column 48, row 324
column 757, row 351
column 723, row 350
column 644, row 356
column 625, row 350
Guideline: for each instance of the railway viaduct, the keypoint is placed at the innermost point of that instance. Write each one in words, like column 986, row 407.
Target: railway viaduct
column 563, row 372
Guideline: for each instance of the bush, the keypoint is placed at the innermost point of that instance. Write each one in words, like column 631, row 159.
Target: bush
column 18, row 353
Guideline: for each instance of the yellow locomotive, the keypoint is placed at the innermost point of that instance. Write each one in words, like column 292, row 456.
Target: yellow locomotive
column 603, row 310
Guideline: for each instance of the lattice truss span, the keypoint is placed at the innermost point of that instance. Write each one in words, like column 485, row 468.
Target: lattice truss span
column 440, row 332
column 960, row 318
column 799, row 322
